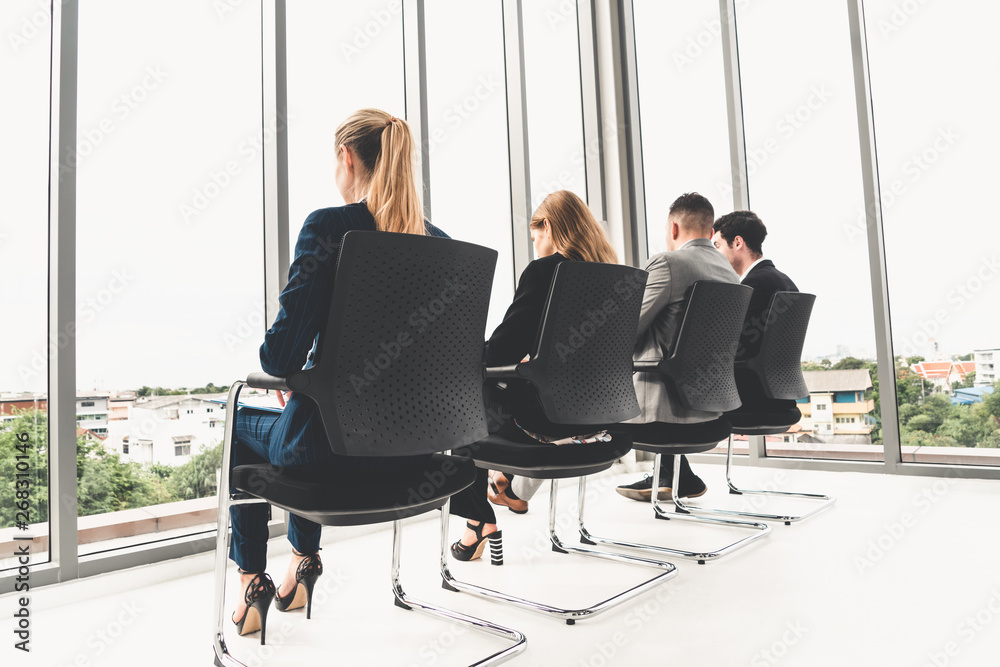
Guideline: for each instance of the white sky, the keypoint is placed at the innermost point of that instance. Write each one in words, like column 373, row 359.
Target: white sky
column 171, row 298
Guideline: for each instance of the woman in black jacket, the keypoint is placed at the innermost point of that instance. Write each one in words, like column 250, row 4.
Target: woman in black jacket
column 562, row 229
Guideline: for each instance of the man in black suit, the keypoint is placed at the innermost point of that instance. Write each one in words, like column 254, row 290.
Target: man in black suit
column 739, row 236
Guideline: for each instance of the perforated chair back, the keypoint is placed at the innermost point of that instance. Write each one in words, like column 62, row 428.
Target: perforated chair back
column 399, row 370
column 583, row 369
column 778, row 365
column 700, row 367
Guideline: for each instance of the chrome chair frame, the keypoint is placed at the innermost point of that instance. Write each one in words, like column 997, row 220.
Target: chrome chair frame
column 223, row 658
column 682, row 512
column 787, row 519
column 571, row 616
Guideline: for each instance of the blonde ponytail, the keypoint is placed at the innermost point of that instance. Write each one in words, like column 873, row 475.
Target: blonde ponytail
column 385, row 147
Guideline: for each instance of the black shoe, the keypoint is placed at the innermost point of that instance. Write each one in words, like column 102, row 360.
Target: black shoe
column 466, row 553
column 306, row 575
column 691, row 486
column 258, row 596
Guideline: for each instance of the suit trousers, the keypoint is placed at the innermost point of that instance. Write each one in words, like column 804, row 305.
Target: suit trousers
column 248, row 548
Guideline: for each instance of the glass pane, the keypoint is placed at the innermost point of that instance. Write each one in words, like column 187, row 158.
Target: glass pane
column 555, row 115
column 467, row 109
column 169, row 258
column 682, row 108
column 341, row 57
column 805, row 179
column 24, row 182
column 937, row 139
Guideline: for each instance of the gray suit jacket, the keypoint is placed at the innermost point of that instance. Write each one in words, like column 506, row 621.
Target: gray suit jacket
column 671, row 275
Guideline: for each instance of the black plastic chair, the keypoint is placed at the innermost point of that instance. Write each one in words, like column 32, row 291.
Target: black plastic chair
column 777, row 372
column 398, row 373
column 582, row 371
column 699, row 371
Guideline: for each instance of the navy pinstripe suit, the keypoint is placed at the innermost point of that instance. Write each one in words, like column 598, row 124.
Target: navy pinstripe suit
column 295, row 436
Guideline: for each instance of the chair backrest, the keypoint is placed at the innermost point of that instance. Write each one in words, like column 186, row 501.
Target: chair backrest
column 778, row 365
column 700, row 367
column 399, row 368
column 583, row 367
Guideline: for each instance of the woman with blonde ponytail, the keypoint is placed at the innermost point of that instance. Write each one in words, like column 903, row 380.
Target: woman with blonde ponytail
column 375, row 175
column 562, row 229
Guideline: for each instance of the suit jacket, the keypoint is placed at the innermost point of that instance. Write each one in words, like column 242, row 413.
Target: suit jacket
column 297, row 437
column 765, row 281
column 514, row 338
column 671, row 275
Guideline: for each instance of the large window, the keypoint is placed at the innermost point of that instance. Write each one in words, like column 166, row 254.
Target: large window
column 24, row 68
column 805, row 183
column 169, row 253
column 467, row 118
column 342, row 56
column 555, row 113
column 682, row 108
column 937, row 137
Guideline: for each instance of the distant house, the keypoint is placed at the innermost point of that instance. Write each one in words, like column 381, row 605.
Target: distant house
column 986, row 372
column 942, row 374
column 836, row 411
column 168, row 429
column 92, row 413
column 970, row 395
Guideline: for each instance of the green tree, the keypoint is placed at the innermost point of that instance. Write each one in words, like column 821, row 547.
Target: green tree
column 197, row 477
column 33, row 426
column 910, row 361
column 850, row 364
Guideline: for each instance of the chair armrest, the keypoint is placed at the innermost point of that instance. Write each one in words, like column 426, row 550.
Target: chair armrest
column 261, row 380
column 645, row 366
column 502, row 372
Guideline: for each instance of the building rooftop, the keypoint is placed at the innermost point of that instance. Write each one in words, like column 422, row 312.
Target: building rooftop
column 852, row 380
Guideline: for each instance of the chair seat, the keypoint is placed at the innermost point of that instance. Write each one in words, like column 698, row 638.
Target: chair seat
column 664, row 438
column 308, row 492
column 529, row 458
column 763, row 423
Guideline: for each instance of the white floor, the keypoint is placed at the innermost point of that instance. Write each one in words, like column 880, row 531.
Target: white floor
column 901, row 571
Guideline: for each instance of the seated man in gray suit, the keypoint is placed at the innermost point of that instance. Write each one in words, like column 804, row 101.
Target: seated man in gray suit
column 690, row 256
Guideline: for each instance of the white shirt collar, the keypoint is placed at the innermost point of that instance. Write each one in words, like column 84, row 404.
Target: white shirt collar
column 750, row 268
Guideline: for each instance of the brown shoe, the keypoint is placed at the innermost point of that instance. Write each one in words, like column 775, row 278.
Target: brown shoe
column 497, row 494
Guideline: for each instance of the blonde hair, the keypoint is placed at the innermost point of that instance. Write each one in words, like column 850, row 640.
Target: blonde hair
column 384, row 146
column 575, row 232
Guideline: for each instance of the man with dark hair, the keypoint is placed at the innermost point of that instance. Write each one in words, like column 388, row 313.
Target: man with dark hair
column 690, row 257
column 739, row 236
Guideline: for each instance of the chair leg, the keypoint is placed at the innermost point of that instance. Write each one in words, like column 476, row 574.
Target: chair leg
column 787, row 519
column 683, row 513
column 406, row 602
column 571, row 616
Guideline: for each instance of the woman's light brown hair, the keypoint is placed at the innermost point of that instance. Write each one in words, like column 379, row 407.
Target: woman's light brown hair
column 576, row 234
column 385, row 148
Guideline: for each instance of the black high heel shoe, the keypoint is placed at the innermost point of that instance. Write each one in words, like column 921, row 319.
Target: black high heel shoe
column 306, row 575
column 463, row 552
column 258, row 595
